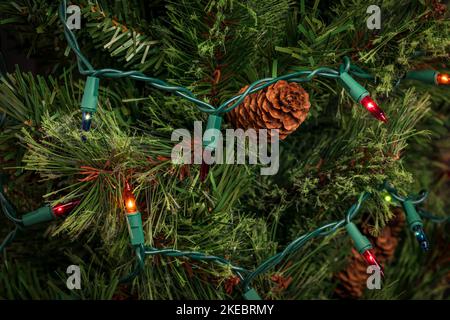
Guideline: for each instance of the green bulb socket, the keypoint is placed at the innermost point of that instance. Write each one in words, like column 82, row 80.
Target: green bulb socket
column 412, row 217
column 426, row 76
column 135, row 229
column 43, row 214
column 210, row 140
column 356, row 91
column 90, row 95
column 251, row 294
column 361, row 242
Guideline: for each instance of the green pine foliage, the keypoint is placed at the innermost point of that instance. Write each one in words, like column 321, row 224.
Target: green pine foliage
column 215, row 48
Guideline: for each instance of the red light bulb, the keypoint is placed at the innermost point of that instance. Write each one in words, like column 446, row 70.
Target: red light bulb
column 129, row 199
column 443, row 78
column 63, row 209
column 373, row 108
column 371, row 260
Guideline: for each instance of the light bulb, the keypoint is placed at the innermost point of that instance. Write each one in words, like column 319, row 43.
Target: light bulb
column 63, row 209
column 86, row 121
column 371, row 260
column 373, row 108
column 443, row 79
column 421, row 237
column 129, row 200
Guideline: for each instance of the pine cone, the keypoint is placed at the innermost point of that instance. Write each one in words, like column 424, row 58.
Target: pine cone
column 385, row 247
column 282, row 106
column 352, row 280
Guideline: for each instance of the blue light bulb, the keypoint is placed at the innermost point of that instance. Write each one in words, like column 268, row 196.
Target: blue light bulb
column 421, row 238
column 86, row 121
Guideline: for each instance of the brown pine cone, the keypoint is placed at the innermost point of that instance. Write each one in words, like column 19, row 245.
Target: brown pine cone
column 352, row 280
column 385, row 245
column 282, row 105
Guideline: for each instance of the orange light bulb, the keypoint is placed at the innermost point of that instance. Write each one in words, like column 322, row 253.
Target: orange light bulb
column 131, row 205
column 129, row 199
column 443, row 78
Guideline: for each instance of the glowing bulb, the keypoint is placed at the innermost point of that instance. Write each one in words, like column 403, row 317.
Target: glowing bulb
column 86, row 120
column 443, row 78
column 421, row 238
column 131, row 205
column 63, row 209
column 129, row 200
column 388, row 198
column 370, row 106
column 373, row 108
column 372, row 261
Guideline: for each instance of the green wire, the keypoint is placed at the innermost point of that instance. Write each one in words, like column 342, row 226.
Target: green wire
column 246, row 276
column 10, row 213
column 431, row 217
column 271, row 261
column 139, row 265
column 7, row 208
column 415, row 199
column 87, row 69
column 302, row 240
column 9, row 239
column 193, row 255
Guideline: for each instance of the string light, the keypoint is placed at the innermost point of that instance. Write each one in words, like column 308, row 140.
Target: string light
column 421, row 237
column 356, row 91
column 415, row 223
column 346, row 69
column 443, row 79
column 134, row 218
column 412, row 216
column 89, row 102
column 86, row 120
column 63, row 209
column 361, row 95
column 429, row 76
column 129, row 199
column 363, row 246
column 373, row 108
column 47, row 213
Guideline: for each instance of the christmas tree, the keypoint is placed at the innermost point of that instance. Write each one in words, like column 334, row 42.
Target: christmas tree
column 87, row 116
